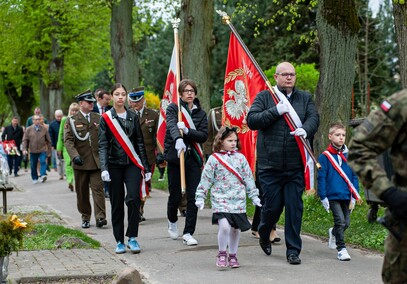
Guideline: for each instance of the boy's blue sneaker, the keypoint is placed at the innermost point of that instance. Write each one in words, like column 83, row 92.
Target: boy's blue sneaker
column 133, row 245
column 120, row 248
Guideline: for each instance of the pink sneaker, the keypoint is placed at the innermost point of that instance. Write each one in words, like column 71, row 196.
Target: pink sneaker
column 233, row 263
column 221, row 259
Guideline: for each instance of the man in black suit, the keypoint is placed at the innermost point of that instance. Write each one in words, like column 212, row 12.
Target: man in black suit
column 103, row 98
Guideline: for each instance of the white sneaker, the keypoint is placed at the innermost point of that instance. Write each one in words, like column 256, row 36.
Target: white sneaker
column 343, row 255
column 43, row 178
column 189, row 240
column 35, row 181
column 332, row 239
column 173, row 230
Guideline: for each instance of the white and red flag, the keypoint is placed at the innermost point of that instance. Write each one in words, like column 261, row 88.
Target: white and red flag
column 242, row 83
column 169, row 96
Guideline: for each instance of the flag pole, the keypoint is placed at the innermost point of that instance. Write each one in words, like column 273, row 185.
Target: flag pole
column 175, row 25
column 226, row 20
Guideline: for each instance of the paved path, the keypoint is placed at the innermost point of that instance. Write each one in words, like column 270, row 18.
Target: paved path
column 163, row 260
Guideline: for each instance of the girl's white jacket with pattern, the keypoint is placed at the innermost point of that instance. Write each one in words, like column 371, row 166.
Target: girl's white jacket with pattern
column 228, row 194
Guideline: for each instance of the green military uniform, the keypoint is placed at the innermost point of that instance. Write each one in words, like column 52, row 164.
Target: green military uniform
column 385, row 128
column 149, row 124
column 81, row 139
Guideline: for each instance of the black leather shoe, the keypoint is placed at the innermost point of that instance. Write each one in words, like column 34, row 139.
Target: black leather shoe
column 265, row 246
column 293, row 259
column 101, row 222
column 85, row 224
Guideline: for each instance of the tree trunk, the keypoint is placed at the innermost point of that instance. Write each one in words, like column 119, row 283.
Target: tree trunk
column 56, row 71
column 123, row 48
column 196, row 43
column 337, row 25
column 400, row 25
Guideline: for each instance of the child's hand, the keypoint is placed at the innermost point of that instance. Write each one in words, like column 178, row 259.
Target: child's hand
column 325, row 203
column 256, row 201
column 200, row 204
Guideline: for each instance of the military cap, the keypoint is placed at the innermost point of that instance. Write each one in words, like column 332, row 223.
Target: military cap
column 85, row 96
column 136, row 94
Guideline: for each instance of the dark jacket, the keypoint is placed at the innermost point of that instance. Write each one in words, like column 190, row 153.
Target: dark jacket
column 276, row 147
column 53, row 131
column 111, row 153
column 10, row 133
column 199, row 135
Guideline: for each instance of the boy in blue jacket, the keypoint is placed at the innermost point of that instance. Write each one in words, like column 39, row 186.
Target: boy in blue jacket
column 338, row 188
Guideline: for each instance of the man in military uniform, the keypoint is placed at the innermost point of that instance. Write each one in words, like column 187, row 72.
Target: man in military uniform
column 386, row 128
column 148, row 119
column 81, row 142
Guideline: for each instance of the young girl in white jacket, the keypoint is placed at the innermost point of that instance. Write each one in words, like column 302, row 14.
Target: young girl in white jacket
column 227, row 173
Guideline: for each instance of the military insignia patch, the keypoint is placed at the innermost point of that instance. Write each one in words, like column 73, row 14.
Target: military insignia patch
column 385, row 106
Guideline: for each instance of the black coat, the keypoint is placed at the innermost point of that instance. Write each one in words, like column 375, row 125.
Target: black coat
column 111, row 153
column 10, row 133
column 276, row 147
column 199, row 135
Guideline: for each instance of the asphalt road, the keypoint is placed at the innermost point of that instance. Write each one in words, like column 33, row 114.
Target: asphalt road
column 164, row 260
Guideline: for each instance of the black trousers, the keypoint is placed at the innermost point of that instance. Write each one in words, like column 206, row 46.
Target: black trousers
column 192, row 178
column 283, row 189
column 129, row 175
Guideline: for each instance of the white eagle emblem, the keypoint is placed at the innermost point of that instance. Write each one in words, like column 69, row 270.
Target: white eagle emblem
column 236, row 107
column 167, row 98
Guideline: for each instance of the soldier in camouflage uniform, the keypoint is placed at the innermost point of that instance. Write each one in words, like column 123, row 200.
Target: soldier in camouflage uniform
column 386, row 128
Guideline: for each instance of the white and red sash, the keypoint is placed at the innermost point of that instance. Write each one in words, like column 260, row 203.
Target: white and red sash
column 306, row 158
column 340, row 171
column 128, row 147
column 228, row 166
column 187, row 119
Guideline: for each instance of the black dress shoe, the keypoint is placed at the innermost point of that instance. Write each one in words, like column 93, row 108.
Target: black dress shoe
column 142, row 218
column 85, row 224
column 265, row 246
column 101, row 222
column 293, row 259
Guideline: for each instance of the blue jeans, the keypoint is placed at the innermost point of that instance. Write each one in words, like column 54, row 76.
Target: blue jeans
column 340, row 211
column 14, row 162
column 34, row 157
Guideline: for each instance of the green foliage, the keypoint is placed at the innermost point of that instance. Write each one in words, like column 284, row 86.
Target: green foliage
column 12, row 231
column 307, row 77
column 44, row 236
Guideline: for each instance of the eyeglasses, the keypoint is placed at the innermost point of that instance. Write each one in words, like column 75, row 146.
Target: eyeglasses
column 286, row 74
column 192, row 91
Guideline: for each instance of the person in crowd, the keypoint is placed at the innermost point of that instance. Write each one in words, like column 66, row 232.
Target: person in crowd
column 228, row 176
column 338, row 188
column 280, row 164
column 13, row 132
column 184, row 136
column 81, row 143
column 124, row 162
column 36, row 140
column 24, row 158
column 53, row 129
column 214, row 124
column 30, row 120
column 102, row 105
column 385, row 128
column 148, row 119
column 103, row 99
column 61, row 150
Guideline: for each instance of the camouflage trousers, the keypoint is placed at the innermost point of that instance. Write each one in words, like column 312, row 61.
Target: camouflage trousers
column 395, row 259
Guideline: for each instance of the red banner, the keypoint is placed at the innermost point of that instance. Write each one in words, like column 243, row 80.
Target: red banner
column 169, row 96
column 242, row 83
